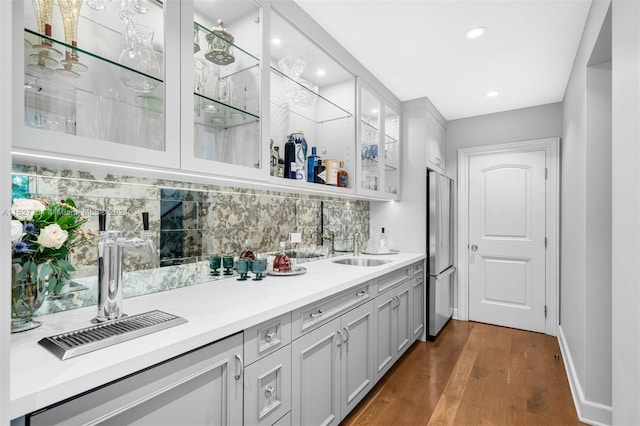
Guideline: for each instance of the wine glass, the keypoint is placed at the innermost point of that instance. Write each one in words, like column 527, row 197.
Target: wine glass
column 242, row 266
column 214, row 264
column 46, row 55
column 258, row 266
column 227, row 264
column 70, row 12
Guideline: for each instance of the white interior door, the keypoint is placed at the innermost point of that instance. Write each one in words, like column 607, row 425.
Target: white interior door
column 507, row 257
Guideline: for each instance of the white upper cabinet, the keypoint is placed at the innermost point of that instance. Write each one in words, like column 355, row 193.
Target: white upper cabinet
column 214, row 88
column 312, row 102
column 98, row 80
column 221, row 79
column 435, row 144
column 378, row 145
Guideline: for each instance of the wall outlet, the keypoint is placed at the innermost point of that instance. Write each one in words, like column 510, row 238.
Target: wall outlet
column 295, row 237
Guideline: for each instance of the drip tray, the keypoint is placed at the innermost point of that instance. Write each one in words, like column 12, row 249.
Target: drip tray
column 84, row 340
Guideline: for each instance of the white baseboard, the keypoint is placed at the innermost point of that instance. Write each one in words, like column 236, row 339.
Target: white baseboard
column 589, row 412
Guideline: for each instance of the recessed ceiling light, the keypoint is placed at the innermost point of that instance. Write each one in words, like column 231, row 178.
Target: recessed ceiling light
column 475, row 32
column 374, row 111
column 492, row 94
column 320, row 72
column 276, row 41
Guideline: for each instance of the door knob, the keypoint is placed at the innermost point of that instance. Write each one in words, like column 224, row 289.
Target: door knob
column 474, row 248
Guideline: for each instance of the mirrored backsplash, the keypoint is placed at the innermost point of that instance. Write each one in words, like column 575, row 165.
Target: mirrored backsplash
column 188, row 222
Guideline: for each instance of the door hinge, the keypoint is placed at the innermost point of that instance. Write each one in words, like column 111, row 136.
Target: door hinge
column 545, row 311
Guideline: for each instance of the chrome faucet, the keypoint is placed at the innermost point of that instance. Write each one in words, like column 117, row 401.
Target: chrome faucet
column 329, row 235
column 357, row 240
column 111, row 246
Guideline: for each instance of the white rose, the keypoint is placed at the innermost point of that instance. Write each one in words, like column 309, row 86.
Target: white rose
column 24, row 208
column 52, row 236
column 16, row 230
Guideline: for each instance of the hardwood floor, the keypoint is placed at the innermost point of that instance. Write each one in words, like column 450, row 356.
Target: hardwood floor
column 474, row 374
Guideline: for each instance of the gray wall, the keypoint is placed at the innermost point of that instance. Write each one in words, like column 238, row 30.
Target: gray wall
column 586, row 225
column 626, row 212
column 539, row 122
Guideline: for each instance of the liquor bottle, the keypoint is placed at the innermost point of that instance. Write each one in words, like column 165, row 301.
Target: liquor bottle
column 382, row 243
column 282, row 263
column 311, row 163
column 274, row 158
column 343, row 176
column 247, row 253
column 319, row 173
column 300, row 160
column 331, row 168
column 290, row 158
column 280, row 166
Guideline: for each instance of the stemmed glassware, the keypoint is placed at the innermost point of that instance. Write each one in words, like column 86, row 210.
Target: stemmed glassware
column 227, row 264
column 214, row 264
column 70, row 12
column 258, row 267
column 46, row 55
column 242, row 266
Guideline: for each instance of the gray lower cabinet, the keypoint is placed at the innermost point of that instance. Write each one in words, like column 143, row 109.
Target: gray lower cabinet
column 333, row 368
column 201, row 387
column 418, row 303
column 393, row 322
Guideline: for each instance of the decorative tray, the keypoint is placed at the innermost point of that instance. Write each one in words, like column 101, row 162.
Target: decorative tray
column 382, row 254
column 296, row 270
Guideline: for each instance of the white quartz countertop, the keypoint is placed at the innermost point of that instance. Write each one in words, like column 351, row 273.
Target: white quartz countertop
column 214, row 310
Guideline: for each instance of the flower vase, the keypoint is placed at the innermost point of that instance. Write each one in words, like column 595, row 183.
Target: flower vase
column 27, row 296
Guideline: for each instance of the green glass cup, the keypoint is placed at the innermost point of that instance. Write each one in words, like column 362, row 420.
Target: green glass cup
column 242, row 266
column 214, row 264
column 227, row 264
column 258, row 266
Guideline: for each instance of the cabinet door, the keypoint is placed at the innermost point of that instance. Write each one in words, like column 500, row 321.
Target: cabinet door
column 99, row 84
column 312, row 99
column 202, row 387
column 385, row 332
column 391, row 154
column 435, row 143
column 357, row 371
column 378, row 145
column 221, row 88
column 402, row 318
column 418, row 303
column 267, row 388
column 316, row 376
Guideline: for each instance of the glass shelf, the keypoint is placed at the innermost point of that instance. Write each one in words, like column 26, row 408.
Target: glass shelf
column 330, row 111
column 213, row 113
column 33, row 38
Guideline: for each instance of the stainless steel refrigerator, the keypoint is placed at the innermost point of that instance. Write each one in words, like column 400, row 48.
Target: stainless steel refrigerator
column 439, row 251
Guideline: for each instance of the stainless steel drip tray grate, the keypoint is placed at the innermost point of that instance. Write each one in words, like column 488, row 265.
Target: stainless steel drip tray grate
column 84, row 340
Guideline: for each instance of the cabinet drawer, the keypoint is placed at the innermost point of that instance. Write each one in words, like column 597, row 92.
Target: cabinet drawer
column 392, row 279
column 267, row 388
column 313, row 315
column 265, row 338
column 417, row 268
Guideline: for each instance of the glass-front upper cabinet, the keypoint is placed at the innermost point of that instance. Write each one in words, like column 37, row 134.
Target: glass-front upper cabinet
column 98, row 79
column 312, row 104
column 378, row 144
column 221, row 45
column 391, row 151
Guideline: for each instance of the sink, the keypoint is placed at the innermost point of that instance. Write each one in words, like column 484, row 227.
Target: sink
column 361, row 261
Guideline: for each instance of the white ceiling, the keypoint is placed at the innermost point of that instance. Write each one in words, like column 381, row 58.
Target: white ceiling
column 418, row 48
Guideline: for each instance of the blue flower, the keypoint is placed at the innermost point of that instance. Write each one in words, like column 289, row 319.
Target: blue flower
column 22, row 247
column 30, row 228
